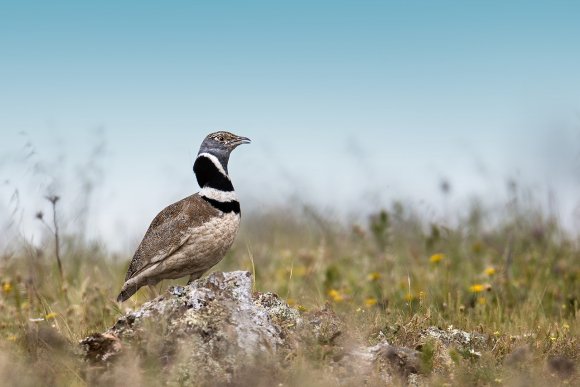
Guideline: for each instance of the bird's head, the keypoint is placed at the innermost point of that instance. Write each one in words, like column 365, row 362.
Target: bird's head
column 221, row 144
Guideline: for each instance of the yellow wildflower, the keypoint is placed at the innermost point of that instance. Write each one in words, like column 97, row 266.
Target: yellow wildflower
column 335, row 295
column 409, row 297
column 566, row 326
column 478, row 288
column 6, row 287
column 374, row 276
column 370, row 301
column 291, row 302
column 489, row 271
column 436, row 258
column 49, row 316
column 481, row 300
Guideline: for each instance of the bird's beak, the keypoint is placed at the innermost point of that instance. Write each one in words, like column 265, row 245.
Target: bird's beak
column 241, row 140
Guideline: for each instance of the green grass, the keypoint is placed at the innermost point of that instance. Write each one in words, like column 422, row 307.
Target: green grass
column 518, row 282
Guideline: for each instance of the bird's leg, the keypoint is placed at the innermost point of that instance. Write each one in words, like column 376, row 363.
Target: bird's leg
column 193, row 277
column 153, row 292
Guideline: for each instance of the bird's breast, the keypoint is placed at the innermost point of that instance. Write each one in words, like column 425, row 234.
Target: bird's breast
column 209, row 242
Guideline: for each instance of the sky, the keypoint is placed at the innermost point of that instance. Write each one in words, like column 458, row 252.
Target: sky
column 350, row 105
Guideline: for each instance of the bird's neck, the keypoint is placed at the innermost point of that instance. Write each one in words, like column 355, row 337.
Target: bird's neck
column 210, row 173
column 216, row 186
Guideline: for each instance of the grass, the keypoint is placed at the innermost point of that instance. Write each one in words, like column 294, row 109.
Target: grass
column 516, row 281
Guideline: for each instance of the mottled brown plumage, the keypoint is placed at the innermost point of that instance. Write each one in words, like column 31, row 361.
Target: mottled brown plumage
column 169, row 231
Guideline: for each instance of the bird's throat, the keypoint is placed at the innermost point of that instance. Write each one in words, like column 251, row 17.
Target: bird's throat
column 211, row 174
column 216, row 186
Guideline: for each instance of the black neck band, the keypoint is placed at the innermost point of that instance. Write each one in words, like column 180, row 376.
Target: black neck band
column 233, row 206
column 208, row 175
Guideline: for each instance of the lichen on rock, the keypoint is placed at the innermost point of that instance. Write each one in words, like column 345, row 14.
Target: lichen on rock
column 218, row 331
column 211, row 329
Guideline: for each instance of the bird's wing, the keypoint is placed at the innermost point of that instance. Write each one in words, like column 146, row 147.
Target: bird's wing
column 168, row 231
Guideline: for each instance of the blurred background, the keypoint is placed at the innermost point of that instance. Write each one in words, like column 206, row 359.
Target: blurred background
column 351, row 106
column 413, row 164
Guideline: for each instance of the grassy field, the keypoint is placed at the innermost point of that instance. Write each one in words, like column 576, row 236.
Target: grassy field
column 515, row 279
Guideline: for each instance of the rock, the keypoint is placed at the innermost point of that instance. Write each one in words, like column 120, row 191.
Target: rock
column 101, row 347
column 519, row 357
column 209, row 330
column 442, row 349
column 323, row 325
column 398, row 360
column 455, row 337
column 218, row 331
column 562, row 366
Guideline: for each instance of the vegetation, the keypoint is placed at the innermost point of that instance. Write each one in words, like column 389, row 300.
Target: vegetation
column 514, row 277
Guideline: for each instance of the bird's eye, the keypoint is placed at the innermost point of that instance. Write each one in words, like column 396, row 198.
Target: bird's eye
column 219, row 138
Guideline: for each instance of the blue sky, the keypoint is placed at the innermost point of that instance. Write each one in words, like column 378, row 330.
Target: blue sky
column 350, row 104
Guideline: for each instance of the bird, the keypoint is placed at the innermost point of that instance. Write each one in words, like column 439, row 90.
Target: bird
column 192, row 235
